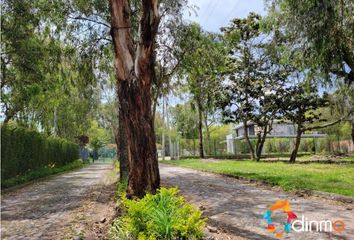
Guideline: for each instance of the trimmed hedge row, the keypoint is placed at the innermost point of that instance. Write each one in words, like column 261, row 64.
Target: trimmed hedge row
column 23, row 150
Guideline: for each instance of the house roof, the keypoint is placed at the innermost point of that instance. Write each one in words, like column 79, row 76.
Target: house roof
column 250, row 123
column 314, row 135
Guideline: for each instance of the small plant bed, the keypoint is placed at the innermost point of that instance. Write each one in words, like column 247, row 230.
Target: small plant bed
column 330, row 178
column 165, row 215
column 40, row 173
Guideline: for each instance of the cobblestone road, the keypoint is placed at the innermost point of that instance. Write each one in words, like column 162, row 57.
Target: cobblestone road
column 49, row 208
column 238, row 206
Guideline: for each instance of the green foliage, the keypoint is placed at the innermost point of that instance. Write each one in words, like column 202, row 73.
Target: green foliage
column 98, row 136
column 48, row 81
column 24, row 150
column 164, row 215
column 122, row 185
column 281, row 145
column 321, row 177
column 301, row 102
column 321, row 33
column 108, row 112
column 185, row 119
column 40, row 173
column 108, row 151
column 205, row 58
column 255, row 76
column 220, row 131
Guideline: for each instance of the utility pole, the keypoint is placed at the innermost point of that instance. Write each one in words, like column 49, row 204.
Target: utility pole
column 169, row 131
column 177, row 148
column 163, row 128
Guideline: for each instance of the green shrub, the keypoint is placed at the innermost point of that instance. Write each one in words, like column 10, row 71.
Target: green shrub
column 40, row 173
column 162, row 216
column 242, row 146
column 122, row 187
column 24, row 150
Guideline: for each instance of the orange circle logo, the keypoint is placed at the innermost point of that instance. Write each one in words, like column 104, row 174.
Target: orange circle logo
column 338, row 226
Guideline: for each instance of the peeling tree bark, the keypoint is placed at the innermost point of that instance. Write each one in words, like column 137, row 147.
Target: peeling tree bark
column 122, row 151
column 134, row 72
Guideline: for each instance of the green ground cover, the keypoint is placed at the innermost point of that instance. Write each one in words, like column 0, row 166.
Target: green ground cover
column 324, row 158
column 333, row 178
column 40, row 173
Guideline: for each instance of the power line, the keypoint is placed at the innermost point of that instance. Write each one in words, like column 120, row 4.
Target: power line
column 212, row 10
column 230, row 13
column 207, row 8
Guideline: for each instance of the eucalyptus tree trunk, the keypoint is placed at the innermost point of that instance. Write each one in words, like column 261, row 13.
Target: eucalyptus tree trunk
column 154, row 105
column 134, row 73
column 122, row 151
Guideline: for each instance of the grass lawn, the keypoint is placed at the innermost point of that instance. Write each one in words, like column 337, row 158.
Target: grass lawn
column 321, row 177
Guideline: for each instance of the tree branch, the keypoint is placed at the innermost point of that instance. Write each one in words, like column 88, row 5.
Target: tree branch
column 90, row 20
column 328, row 124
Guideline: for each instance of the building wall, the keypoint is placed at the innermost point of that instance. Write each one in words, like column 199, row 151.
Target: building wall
column 230, row 144
column 283, row 129
column 278, row 129
column 241, row 131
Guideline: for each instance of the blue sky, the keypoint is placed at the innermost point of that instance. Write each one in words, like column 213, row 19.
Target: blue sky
column 213, row 14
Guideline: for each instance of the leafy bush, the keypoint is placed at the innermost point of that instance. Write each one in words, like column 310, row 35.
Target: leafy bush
column 122, row 187
column 24, row 150
column 243, row 147
column 162, row 216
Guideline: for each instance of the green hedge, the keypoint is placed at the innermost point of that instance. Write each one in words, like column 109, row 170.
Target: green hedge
column 23, row 150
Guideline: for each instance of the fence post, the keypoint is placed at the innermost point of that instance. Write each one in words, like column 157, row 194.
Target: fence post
column 177, row 149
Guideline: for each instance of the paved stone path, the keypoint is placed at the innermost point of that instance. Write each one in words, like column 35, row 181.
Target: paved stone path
column 61, row 207
column 50, row 209
column 238, row 206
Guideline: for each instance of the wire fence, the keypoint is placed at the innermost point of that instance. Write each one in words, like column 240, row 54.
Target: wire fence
column 331, row 145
